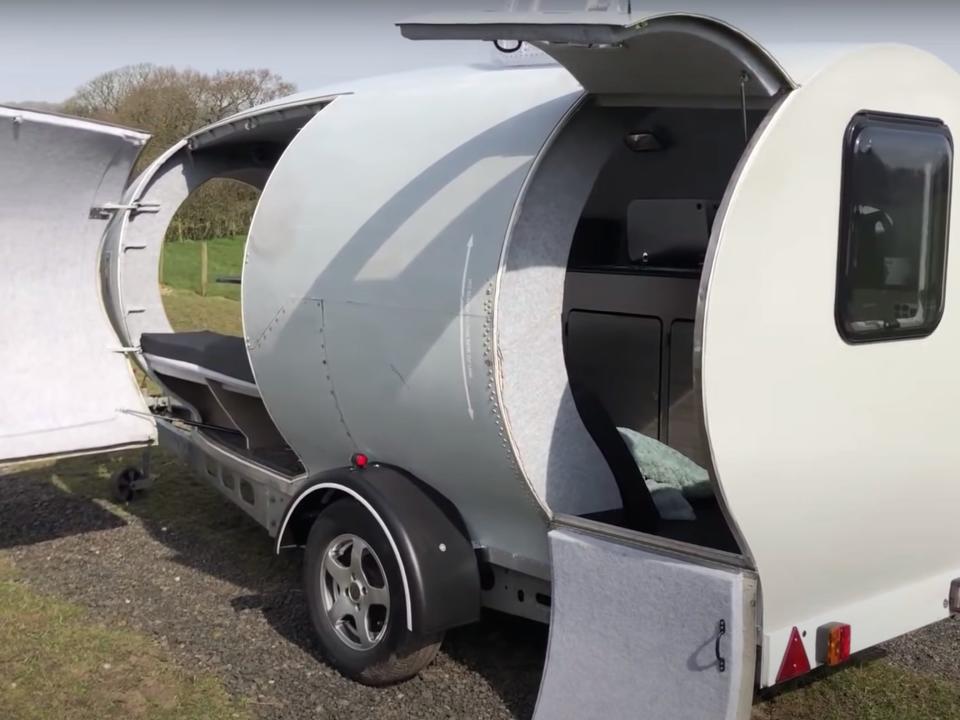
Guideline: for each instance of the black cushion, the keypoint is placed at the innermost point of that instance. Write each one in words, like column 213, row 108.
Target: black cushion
column 224, row 354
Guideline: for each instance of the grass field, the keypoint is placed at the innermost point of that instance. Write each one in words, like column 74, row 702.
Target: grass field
column 187, row 310
column 872, row 691
column 57, row 661
column 181, row 265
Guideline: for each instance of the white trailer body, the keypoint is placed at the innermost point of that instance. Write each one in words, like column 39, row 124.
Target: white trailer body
column 422, row 287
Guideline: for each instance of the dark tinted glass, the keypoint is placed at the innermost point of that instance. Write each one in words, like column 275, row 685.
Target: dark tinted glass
column 894, row 224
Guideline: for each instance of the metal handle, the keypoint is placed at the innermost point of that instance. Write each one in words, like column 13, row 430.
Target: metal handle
column 721, row 631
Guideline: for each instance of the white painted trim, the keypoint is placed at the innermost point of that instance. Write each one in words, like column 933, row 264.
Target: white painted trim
column 360, row 499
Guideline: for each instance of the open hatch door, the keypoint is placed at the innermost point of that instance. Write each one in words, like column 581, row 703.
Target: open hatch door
column 671, row 55
column 65, row 384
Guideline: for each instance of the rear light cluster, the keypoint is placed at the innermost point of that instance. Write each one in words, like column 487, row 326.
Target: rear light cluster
column 833, row 643
column 833, row 647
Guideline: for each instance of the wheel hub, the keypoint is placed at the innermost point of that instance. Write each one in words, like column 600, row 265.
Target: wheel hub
column 356, row 596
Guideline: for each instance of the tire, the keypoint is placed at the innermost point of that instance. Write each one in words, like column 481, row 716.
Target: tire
column 123, row 484
column 364, row 635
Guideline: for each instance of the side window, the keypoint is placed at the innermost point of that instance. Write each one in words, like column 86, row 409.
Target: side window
column 894, row 217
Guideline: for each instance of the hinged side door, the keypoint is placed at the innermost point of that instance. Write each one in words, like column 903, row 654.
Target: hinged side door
column 65, row 384
column 639, row 629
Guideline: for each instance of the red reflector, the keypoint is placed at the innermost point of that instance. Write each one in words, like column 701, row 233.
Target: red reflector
column 833, row 643
column 795, row 662
column 360, row 460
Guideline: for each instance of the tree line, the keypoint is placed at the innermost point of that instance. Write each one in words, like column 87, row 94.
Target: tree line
column 171, row 103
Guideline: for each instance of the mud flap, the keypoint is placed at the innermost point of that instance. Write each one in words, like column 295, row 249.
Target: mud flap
column 638, row 632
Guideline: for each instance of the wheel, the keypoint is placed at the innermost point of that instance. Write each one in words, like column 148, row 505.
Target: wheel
column 124, row 484
column 356, row 599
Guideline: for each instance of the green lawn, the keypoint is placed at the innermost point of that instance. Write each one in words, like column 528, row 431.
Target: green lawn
column 873, row 691
column 57, row 662
column 187, row 310
column 181, row 265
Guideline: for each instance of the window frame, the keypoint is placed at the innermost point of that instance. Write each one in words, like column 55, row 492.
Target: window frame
column 858, row 122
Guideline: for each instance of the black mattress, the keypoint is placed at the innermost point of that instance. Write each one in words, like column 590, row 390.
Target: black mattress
column 224, row 354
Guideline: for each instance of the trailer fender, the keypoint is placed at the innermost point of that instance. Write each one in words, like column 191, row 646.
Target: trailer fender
column 438, row 565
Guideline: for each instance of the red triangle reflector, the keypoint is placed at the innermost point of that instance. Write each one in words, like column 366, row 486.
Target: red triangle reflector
column 795, row 662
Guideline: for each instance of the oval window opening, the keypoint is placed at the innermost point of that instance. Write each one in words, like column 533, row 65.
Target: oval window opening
column 202, row 257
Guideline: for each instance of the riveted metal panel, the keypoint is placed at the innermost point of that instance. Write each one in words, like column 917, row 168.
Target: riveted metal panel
column 368, row 288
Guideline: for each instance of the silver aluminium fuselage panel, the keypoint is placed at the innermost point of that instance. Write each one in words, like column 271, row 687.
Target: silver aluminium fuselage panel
column 369, row 286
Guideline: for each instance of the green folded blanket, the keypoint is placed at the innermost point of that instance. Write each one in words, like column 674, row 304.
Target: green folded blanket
column 671, row 476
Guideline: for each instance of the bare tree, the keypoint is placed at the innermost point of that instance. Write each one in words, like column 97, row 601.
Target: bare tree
column 103, row 96
column 230, row 91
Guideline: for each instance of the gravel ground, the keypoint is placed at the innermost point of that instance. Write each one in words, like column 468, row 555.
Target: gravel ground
column 215, row 599
column 194, row 572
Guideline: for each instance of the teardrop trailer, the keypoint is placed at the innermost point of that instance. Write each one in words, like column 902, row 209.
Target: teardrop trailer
column 459, row 284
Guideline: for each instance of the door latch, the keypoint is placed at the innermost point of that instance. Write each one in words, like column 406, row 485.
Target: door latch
column 108, row 210
column 721, row 661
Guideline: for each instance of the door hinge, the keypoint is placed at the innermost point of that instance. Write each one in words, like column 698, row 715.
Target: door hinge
column 108, row 210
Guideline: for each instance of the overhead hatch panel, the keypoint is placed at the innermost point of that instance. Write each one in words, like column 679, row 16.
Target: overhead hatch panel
column 666, row 55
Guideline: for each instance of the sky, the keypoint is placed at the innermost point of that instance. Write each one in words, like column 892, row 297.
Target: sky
column 50, row 47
